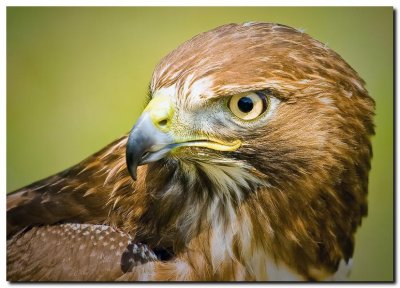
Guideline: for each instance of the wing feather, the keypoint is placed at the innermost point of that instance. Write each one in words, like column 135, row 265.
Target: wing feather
column 73, row 252
column 79, row 194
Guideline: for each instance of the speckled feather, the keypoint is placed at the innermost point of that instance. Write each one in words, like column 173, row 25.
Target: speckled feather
column 74, row 252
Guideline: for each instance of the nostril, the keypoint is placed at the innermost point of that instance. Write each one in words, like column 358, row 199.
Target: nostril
column 163, row 123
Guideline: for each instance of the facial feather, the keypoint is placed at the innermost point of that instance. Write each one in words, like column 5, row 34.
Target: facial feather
column 303, row 163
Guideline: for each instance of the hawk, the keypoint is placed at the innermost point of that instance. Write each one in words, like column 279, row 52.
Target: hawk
column 249, row 163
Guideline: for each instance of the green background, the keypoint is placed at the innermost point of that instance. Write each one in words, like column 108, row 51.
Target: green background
column 77, row 79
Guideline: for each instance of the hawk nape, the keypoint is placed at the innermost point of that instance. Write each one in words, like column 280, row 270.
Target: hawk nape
column 250, row 162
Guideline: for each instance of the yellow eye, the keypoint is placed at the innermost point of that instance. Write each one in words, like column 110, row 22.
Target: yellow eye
column 248, row 105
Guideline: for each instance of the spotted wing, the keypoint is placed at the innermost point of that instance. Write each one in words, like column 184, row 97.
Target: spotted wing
column 73, row 252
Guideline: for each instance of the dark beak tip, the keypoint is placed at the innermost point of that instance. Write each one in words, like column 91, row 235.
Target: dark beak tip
column 132, row 155
column 132, row 170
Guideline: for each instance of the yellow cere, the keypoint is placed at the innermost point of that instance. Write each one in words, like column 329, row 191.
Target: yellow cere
column 161, row 111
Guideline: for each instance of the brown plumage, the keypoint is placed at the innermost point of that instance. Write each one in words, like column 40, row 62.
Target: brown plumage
column 283, row 206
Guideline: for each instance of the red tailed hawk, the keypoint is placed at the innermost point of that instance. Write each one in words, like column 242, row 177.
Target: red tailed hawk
column 250, row 162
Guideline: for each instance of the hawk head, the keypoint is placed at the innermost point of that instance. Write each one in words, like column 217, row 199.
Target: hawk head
column 258, row 133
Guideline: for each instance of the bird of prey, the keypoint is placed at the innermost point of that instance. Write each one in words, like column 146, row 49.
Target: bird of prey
column 249, row 163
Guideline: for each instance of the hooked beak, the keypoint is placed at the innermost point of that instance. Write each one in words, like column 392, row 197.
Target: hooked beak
column 146, row 144
column 151, row 138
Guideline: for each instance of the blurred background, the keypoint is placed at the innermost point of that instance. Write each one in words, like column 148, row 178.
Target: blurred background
column 77, row 79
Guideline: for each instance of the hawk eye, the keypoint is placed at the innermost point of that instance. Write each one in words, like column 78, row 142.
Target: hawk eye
column 248, row 105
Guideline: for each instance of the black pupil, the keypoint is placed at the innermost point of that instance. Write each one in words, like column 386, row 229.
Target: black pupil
column 245, row 104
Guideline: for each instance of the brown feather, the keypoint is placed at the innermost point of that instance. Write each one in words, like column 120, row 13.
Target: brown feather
column 78, row 194
column 73, row 252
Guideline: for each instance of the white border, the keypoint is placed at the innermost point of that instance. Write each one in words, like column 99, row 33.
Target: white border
column 6, row 3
